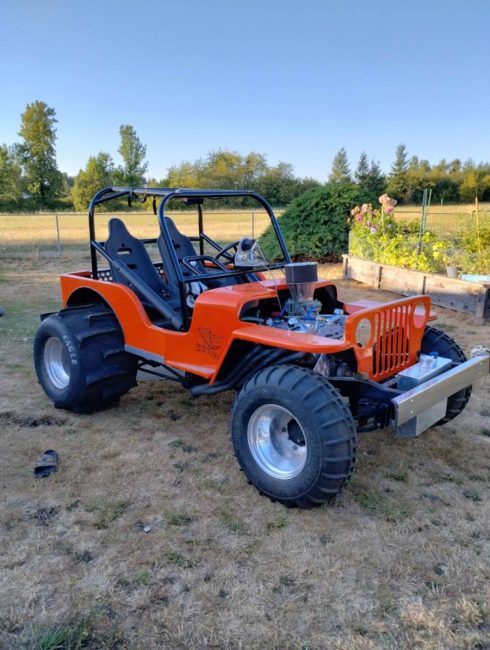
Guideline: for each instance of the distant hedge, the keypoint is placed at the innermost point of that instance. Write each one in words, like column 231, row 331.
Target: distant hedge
column 315, row 225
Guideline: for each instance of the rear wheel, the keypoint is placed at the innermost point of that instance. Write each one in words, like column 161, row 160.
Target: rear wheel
column 80, row 359
column 435, row 340
column 293, row 435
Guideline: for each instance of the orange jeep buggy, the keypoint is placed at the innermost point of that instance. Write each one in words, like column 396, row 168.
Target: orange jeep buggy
column 310, row 370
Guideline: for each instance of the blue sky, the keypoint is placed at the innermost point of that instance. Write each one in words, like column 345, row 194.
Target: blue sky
column 293, row 80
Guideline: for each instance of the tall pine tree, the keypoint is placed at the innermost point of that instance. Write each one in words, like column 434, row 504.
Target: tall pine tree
column 340, row 172
column 370, row 180
column 398, row 182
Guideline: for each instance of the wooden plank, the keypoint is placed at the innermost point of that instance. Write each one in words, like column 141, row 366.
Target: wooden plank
column 483, row 306
column 455, row 294
column 364, row 271
column 404, row 281
column 461, row 295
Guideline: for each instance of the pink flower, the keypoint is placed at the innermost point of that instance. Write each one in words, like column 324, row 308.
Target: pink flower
column 389, row 209
column 387, row 202
column 373, row 229
column 364, row 208
column 359, row 218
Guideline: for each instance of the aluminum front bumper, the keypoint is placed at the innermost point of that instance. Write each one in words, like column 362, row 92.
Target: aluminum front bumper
column 420, row 408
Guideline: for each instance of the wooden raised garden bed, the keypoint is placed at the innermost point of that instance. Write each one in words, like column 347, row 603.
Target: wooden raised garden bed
column 461, row 295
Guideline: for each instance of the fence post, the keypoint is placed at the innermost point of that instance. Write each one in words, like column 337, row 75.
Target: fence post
column 58, row 233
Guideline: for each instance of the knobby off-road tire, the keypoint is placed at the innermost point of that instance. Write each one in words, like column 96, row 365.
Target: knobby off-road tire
column 80, row 359
column 435, row 340
column 294, row 437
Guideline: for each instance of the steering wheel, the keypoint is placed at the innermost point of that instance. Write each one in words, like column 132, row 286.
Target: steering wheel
column 223, row 252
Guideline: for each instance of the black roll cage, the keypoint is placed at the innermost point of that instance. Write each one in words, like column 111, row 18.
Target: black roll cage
column 193, row 197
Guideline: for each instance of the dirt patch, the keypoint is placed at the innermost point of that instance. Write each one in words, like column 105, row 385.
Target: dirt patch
column 9, row 418
column 398, row 560
column 43, row 516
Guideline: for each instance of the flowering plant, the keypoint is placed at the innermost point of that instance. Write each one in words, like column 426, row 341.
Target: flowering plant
column 375, row 221
column 376, row 235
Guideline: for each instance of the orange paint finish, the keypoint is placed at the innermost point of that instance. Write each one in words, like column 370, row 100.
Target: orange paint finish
column 280, row 338
column 139, row 332
column 397, row 327
column 393, row 333
column 360, row 305
column 215, row 324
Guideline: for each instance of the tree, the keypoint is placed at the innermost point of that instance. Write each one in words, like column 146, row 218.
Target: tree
column 231, row 170
column 340, row 172
column 398, row 185
column 476, row 181
column 376, row 181
column 442, row 178
column 370, row 180
column 98, row 173
column 277, row 184
column 187, row 174
column 280, row 186
column 38, row 152
column 419, row 178
column 10, row 176
column 133, row 153
column 362, row 171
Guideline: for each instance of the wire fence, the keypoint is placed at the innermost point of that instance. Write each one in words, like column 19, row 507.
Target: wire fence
column 453, row 238
column 451, row 222
column 57, row 234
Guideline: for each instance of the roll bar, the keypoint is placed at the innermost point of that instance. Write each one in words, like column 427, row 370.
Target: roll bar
column 193, row 196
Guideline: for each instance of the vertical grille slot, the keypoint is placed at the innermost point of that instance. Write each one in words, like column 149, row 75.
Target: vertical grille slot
column 391, row 350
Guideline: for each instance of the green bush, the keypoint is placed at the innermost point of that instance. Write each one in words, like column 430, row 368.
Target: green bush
column 315, row 225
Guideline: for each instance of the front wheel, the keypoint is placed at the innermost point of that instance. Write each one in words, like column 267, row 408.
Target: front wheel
column 294, row 436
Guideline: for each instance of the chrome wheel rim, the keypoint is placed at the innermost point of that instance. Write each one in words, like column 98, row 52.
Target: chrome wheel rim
column 57, row 362
column 277, row 441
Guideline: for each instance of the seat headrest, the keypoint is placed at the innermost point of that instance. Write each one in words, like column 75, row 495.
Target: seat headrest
column 119, row 232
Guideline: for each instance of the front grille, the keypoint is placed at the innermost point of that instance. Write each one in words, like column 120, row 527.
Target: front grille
column 394, row 338
column 391, row 350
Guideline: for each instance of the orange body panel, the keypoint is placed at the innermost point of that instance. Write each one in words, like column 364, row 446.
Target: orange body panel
column 393, row 338
column 216, row 324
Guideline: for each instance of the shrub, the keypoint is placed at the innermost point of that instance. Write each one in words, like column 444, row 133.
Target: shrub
column 315, row 225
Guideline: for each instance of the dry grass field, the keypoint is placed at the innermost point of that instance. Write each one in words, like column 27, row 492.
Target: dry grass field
column 38, row 232
column 399, row 560
column 448, row 219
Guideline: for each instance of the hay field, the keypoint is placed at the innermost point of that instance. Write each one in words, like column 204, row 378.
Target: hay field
column 399, row 560
column 38, row 233
column 447, row 218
